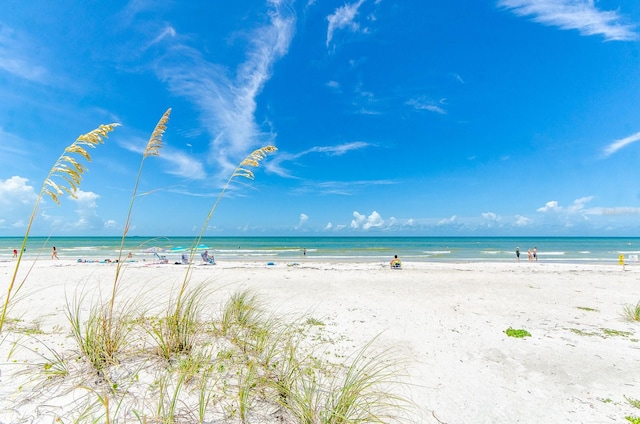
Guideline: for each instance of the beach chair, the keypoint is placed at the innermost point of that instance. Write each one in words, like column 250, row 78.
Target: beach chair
column 163, row 259
column 396, row 265
column 185, row 259
column 207, row 259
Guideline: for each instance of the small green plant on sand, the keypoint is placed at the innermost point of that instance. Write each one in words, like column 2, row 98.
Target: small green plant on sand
column 633, row 402
column 585, row 308
column 517, row 333
column 631, row 312
column 583, row 333
column 633, row 420
column 64, row 176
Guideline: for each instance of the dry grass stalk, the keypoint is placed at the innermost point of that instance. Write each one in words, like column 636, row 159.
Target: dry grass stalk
column 153, row 149
column 64, row 176
column 241, row 170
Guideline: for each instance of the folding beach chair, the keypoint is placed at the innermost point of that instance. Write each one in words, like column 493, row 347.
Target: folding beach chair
column 163, row 259
column 207, row 259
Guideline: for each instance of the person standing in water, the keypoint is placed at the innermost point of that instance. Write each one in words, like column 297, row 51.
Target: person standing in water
column 517, row 254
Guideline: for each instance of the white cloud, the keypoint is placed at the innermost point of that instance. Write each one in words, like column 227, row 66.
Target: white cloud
column 17, row 199
column 275, row 164
column 337, row 150
column 447, row 221
column 581, row 15
column 87, row 211
column 227, row 102
column 550, row 207
column 577, row 206
column 428, row 105
column 328, row 227
column 14, row 59
column 491, row 217
column 181, row 163
column 366, row 222
column 303, row 219
column 86, row 199
column 168, row 32
column 15, row 192
column 342, row 18
column 522, row 221
column 184, row 165
column 619, row 144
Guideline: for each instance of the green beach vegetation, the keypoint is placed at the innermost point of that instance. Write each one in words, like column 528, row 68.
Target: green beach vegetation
column 517, row 333
column 181, row 366
column 631, row 312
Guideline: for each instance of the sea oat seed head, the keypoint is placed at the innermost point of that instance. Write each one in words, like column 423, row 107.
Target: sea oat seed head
column 68, row 168
column 155, row 141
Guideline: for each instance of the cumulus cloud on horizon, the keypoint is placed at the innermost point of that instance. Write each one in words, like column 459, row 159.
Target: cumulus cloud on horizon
column 366, row 222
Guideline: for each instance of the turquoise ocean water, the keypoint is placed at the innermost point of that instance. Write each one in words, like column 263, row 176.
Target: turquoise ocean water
column 449, row 249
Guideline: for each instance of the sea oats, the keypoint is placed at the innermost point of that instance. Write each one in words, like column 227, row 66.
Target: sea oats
column 69, row 171
column 155, row 142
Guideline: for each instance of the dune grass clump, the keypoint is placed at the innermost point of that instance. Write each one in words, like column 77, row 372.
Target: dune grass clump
column 101, row 336
column 176, row 333
column 631, row 312
column 243, row 365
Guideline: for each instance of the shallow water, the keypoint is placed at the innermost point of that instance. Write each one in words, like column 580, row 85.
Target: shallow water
column 358, row 249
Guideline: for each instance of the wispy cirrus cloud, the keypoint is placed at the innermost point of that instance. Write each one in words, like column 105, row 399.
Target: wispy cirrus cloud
column 619, row 144
column 343, row 17
column 421, row 104
column 227, row 101
column 581, row 15
column 13, row 57
column 275, row 164
column 180, row 163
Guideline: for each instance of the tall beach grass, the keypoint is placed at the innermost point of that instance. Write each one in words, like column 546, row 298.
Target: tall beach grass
column 64, row 177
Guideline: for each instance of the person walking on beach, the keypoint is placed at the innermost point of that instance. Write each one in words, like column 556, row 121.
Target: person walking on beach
column 517, row 254
column 15, row 253
column 54, row 253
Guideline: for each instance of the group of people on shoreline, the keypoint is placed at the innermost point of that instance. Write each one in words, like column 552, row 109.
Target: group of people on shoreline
column 532, row 254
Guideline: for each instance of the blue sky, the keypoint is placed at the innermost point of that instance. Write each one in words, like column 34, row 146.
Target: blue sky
column 416, row 117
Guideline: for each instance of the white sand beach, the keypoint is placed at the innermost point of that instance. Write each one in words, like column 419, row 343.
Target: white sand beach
column 446, row 322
